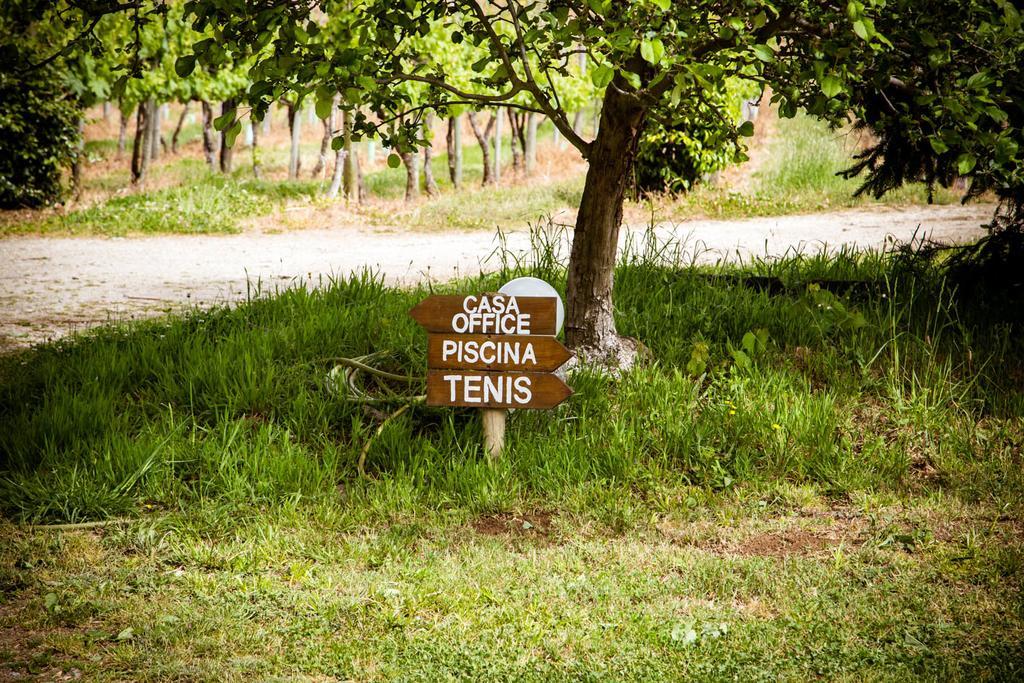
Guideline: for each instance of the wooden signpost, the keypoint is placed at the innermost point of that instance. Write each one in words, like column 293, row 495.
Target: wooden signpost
column 494, row 352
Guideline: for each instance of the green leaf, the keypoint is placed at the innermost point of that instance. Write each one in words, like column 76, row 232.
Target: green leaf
column 938, row 145
column 185, row 65
column 337, row 143
column 965, row 163
column 602, row 76
column 861, row 29
column 394, row 161
column 831, row 86
column 746, row 129
column 763, row 52
column 126, row 634
column 652, row 50
column 231, row 133
column 663, row 5
column 324, row 107
column 224, row 120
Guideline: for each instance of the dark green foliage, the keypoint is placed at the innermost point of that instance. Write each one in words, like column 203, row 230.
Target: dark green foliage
column 38, row 135
column 941, row 89
column 675, row 159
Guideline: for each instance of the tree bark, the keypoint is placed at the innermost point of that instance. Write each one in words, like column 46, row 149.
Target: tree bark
column 497, row 145
column 454, row 141
column 295, row 128
column 140, row 146
column 177, row 128
column 518, row 140
column 227, row 155
column 590, row 324
column 350, row 164
column 429, row 184
column 257, row 166
column 320, row 169
column 122, row 132
column 76, row 164
column 412, row 175
column 209, row 139
column 530, row 145
column 482, row 138
column 156, row 116
column 336, row 177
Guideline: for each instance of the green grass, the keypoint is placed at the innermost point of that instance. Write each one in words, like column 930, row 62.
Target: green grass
column 840, row 500
column 205, row 203
column 798, row 176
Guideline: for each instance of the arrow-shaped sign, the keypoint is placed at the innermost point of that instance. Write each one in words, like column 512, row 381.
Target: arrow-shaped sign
column 495, row 389
column 528, row 353
column 487, row 314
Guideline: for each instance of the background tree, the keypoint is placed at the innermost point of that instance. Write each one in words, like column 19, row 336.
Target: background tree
column 647, row 56
column 893, row 64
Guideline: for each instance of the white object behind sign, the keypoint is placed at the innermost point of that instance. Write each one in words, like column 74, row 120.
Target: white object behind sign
column 532, row 286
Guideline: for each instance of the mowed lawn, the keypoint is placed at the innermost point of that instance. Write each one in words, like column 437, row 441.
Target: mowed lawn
column 816, row 475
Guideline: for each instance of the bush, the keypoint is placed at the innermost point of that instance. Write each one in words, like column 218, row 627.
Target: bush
column 676, row 159
column 38, row 135
column 675, row 155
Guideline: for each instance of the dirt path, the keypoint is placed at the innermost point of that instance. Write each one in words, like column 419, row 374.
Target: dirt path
column 52, row 286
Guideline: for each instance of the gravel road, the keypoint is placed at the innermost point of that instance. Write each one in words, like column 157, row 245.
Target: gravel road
column 53, row 286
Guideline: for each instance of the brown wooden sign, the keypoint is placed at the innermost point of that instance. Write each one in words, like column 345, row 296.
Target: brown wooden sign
column 525, row 353
column 487, row 314
column 495, row 389
column 492, row 351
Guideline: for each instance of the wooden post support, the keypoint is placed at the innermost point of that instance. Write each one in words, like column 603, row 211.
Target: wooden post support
column 494, row 431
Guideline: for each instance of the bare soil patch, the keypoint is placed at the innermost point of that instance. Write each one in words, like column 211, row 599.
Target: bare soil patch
column 536, row 524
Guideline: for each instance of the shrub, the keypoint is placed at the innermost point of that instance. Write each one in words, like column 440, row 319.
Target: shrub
column 38, row 135
column 675, row 155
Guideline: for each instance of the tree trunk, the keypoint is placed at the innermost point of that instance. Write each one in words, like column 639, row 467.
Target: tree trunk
column 350, row 164
column 257, row 168
column 497, row 145
column 336, row 177
column 267, row 118
column 412, row 175
column 156, row 116
column 227, row 155
column 76, row 164
column 209, row 139
column 429, row 184
column 295, row 128
column 177, row 128
column 454, row 140
column 320, row 170
column 590, row 327
column 106, row 111
column 360, row 185
column 140, row 146
column 122, row 132
column 482, row 136
column 530, row 146
column 517, row 139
